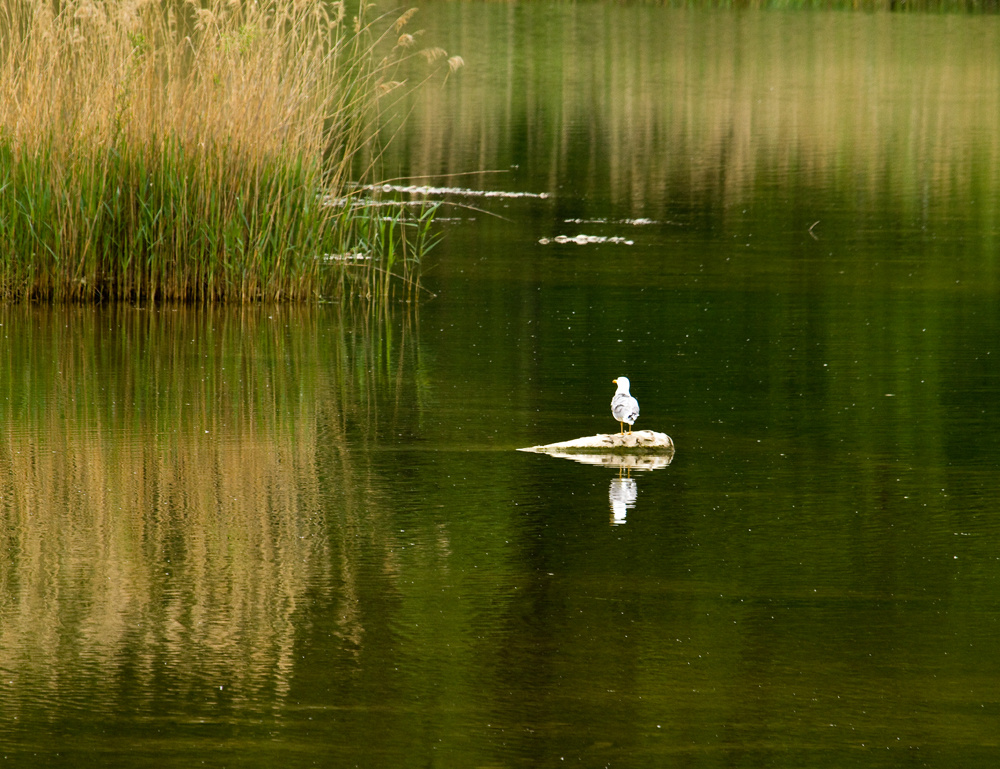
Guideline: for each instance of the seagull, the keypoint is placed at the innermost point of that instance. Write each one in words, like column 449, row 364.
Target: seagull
column 624, row 407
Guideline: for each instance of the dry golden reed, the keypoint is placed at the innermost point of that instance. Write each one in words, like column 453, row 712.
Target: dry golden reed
column 184, row 150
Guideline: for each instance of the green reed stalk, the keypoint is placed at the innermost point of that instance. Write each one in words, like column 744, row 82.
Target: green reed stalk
column 170, row 151
column 391, row 240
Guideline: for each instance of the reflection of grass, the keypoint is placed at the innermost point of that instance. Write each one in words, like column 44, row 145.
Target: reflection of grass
column 179, row 151
column 175, row 484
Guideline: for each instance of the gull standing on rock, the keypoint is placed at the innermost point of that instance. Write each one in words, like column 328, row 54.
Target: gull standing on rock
column 624, row 407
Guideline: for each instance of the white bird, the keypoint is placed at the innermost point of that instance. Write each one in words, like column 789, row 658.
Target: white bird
column 624, row 407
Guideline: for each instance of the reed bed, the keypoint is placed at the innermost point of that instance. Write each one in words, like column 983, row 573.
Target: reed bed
column 165, row 150
column 389, row 241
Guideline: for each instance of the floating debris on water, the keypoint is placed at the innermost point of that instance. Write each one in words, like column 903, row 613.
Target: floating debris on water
column 366, row 202
column 635, row 222
column 583, row 240
column 414, row 189
column 346, row 257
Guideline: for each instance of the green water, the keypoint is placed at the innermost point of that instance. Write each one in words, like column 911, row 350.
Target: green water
column 304, row 536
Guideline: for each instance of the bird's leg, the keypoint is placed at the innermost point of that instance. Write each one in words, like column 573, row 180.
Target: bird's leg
column 622, row 430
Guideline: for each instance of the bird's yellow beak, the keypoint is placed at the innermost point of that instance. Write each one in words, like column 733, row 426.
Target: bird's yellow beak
column 614, row 381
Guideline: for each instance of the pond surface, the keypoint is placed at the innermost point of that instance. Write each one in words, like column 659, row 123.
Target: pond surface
column 304, row 537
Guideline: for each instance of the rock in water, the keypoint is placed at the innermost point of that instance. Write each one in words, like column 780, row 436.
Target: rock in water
column 640, row 441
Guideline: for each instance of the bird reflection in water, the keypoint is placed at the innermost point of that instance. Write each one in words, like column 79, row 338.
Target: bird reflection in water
column 622, row 496
column 624, row 489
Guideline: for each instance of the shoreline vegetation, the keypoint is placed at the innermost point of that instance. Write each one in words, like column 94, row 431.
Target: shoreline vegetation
column 160, row 150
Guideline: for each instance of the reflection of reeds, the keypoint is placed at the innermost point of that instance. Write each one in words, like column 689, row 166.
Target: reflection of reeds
column 183, row 151
column 653, row 107
column 173, row 486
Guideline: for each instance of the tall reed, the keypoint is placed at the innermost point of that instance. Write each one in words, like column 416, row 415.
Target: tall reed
column 398, row 234
column 159, row 149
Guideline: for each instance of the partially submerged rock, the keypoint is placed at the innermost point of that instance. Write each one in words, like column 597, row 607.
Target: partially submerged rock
column 634, row 443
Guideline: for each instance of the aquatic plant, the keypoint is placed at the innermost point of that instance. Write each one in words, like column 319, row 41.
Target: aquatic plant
column 185, row 151
column 399, row 234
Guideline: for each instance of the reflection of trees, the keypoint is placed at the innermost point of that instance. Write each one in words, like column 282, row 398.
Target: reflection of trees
column 175, row 483
column 655, row 109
